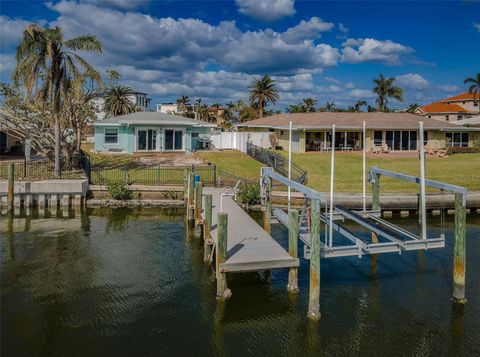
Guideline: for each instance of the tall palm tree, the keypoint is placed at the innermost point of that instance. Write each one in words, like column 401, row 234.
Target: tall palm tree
column 475, row 87
column 359, row 104
column 262, row 92
column 330, row 106
column 309, row 104
column 118, row 101
column 385, row 88
column 45, row 56
column 183, row 102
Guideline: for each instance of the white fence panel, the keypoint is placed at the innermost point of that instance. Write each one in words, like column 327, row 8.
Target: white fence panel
column 238, row 140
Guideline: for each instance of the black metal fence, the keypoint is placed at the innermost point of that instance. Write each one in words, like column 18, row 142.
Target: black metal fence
column 277, row 161
column 41, row 168
column 135, row 173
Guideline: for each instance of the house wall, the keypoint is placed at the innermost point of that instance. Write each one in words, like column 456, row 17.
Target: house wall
column 468, row 105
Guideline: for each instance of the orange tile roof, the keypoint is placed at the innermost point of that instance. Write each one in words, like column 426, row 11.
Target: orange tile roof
column 460, row 97
column 439, row 107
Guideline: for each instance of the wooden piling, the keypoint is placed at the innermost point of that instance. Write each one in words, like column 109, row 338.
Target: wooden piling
column 191, row 188
column 267, row 214
column 293, row 249
column 459, row 250
column 198, row 209
column 222, row 228
column 207, row 226
column 314, row 295
column 376, row 192
column 11, row 184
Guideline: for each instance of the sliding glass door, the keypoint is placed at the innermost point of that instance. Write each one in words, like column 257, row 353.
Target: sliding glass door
column 401, row 139
column 146, row 140
column 173, row 140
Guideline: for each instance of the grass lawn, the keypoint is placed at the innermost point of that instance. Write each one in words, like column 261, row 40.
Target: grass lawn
column 458, row 169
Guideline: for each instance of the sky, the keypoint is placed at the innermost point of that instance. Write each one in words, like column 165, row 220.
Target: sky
column 329, row 51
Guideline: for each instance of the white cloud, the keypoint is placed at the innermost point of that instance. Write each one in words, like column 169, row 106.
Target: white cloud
column 361, row 93
column 11, row 30
column 119, row 4
column 449, row 87
column 266, row 10
column 412, row 81
column 307, row 30
column 371, row 50
column 477, row 25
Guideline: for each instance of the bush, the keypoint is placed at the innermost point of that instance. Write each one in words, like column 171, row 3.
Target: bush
column 119, row 191
column 249, row 194
column 462, row 150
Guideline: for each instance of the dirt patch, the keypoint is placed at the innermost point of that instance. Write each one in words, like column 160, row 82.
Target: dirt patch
column 168, row 159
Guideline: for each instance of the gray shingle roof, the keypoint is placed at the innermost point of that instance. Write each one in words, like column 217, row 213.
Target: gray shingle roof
column 325, row 120
column 153, row 118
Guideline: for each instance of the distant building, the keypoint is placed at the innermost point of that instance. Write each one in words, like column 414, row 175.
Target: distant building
column 167, row 108
column 458, row 107
column 140, row 99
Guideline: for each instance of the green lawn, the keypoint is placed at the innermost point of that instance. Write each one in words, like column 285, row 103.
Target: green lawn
column 458, row 169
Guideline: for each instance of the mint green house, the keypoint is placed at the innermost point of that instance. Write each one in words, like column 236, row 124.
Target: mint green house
column 151, row 131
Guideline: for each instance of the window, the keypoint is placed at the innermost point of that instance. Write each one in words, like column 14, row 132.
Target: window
column 194, row 135
column 459, row 117
column 475, row 104
column 377, row 138
column 425, row 137
column 457, row 139
column 446, row 117
column 111, row 136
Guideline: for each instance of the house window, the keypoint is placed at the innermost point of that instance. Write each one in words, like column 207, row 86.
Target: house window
column 475, row 104
column 459, row 117
column 111, row 136
column 377, row 138
column 446, row 117
column 457, row 139
column 425, row 137
column 429, row 116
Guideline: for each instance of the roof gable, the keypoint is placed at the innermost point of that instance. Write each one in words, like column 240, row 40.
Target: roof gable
column 439, row 107
column 153, row 118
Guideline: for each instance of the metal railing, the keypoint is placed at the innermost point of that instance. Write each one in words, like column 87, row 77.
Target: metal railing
column 277, row 161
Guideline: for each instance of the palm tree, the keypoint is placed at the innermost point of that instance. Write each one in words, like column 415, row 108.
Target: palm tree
column 118, row 101
column 309, row 104
column 384, row 88
column 330, row 106
column 358, row 105
column 262, row 92
column 183, row 102
column 475, row 87
column 43, row 55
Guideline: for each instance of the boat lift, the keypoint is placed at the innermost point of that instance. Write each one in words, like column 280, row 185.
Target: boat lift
column 385, row 236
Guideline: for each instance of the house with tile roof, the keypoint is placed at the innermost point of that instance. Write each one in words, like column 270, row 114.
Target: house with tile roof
column 458, row 107
column 397, row 131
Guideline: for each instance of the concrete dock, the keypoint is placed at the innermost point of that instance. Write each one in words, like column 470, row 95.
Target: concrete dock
column 249, row 247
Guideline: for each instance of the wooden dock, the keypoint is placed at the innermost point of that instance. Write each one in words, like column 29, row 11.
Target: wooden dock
column 249, row 247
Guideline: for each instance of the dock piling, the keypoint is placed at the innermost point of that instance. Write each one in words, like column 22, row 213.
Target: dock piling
column 207, row 226
column 267, row 214
column 314, row 298
column 190, row 197
column 375, row 192
column 11, row 184
column 198, row 209
column 459, row 250
column 222, row 290
column 293, row 249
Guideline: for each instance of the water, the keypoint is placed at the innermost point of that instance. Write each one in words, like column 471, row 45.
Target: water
column 131, row 282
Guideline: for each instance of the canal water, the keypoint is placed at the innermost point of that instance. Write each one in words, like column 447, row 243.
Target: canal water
column 130, row 282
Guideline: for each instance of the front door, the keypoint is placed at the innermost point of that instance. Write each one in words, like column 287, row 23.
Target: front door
column 146, row 140
column 173, row 140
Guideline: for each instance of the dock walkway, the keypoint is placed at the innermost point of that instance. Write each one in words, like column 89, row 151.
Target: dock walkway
column 249, row 247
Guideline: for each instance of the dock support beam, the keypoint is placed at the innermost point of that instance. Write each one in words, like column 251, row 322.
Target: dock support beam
column 459, row 250
column 11, row 185
column 314, row 299
column 223, row 292
column 267, row 214
column 198, row 209
column 190, row 198
column 293, row 249
column 207, row 227
column 375, row 192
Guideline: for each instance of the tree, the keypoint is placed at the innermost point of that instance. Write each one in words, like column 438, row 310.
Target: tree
column 309, row 104
column 262, row 91
column 359, row 104
column 474, row 89
column 330, row 106
column 112, row 76
column 183, row 102
column 45, row 58
column 295, row 108
column 385, row 88
column 118, row 101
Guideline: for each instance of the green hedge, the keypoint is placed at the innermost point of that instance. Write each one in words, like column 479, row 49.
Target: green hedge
column 463, row 150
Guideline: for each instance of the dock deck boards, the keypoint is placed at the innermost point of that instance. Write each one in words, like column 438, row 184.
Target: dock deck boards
column 249, row 247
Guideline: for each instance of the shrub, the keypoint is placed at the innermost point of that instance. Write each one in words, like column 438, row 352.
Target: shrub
column 119, row 191
column 462, row 150
column 249, row 194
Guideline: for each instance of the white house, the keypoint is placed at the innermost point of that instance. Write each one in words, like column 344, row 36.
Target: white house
column 140, row 100
column 167, row 108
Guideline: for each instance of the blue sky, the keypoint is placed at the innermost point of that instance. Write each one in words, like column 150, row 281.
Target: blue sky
column 212, row 49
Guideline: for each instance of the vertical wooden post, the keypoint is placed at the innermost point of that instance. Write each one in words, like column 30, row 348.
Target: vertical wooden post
column 419, row 212
column 376, row 192
column 460, row 249
column 207, row 226
column 293, row 249
column 198, row 209
column 11, row 184
column 190, row 197
column 267, row 214
column 314, row 299
column 222, row 222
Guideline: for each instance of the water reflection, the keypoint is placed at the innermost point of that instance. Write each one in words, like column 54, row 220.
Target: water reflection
column 133, row 281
